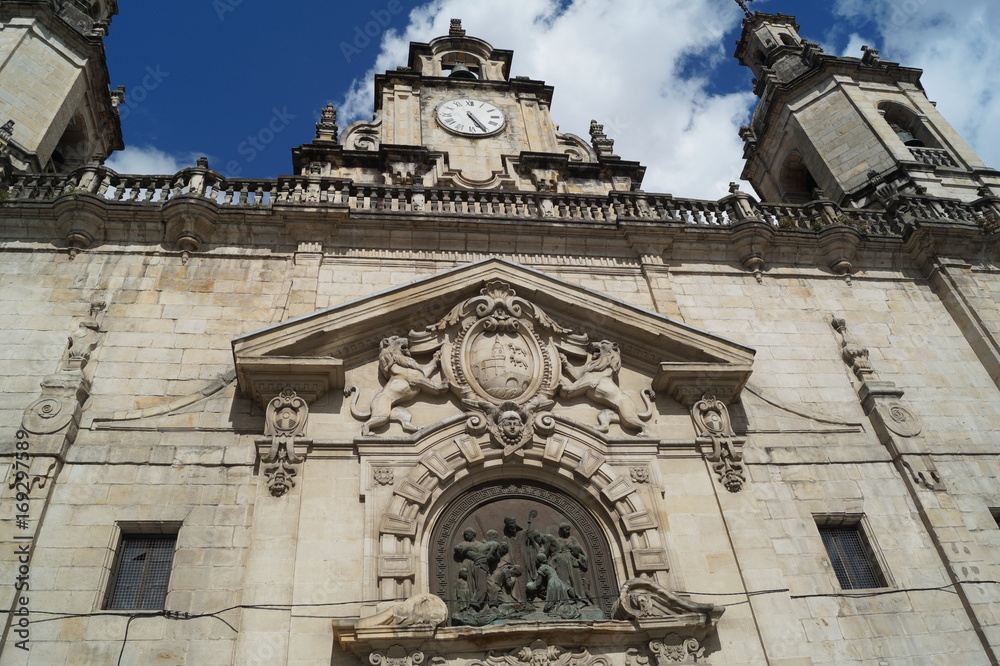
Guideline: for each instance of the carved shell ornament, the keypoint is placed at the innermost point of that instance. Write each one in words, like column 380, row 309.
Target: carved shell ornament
column 506, row 360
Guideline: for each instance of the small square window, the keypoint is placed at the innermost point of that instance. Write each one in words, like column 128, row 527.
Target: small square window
column 141, row 572
column 851, row 556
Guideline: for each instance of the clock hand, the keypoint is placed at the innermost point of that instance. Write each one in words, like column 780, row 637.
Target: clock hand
column 476, row 120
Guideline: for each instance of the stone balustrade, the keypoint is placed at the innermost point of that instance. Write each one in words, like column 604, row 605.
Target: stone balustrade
column 934, row 157
column 616, row 207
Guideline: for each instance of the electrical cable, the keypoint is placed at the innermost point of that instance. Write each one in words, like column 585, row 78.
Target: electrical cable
column 179, row 615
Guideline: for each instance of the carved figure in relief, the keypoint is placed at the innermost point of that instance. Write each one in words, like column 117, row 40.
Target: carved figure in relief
column 565, row 554
column 598, row 380
column 462, row 591
column 502, row 584
column 547, row 585
column 521, row 550
column 521, row 573
column 479, row 560
column 405, row 379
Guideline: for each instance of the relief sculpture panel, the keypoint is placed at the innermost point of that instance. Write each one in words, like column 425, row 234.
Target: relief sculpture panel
column 507, row 362
column 522, row 551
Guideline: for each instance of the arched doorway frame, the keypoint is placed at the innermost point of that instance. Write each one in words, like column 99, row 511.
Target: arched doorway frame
column 572, row 460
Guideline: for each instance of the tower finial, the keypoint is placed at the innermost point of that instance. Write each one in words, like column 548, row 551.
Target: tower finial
column 456, row 28
column 743, row 6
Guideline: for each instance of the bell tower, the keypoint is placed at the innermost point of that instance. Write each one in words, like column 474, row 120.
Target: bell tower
column 858, row 130
column 454, row 117
column 55, row 99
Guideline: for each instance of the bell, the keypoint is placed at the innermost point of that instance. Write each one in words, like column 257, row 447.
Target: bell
column 461, row 72
column 908, row 139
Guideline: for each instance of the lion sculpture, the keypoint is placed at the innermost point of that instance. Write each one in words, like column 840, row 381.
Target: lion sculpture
column 405, row 379
column 598, row 380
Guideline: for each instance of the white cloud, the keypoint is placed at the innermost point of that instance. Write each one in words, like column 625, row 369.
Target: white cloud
column 618, row 63
column 147, row 160
column 854, row 44
column 955, row 44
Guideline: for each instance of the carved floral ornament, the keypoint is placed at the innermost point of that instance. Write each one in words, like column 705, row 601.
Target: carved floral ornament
column 508, row 362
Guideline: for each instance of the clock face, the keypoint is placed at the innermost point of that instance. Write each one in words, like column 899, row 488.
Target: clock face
column 471, row 117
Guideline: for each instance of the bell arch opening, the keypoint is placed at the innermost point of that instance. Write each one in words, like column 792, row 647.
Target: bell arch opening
column 521, row 549
column 75, row 147
column 907, row 126
column 796, row 182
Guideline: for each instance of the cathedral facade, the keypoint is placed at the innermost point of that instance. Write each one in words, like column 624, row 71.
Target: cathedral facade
column 458, row 391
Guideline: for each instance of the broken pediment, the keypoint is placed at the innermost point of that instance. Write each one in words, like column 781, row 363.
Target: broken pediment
column 646, row 616
column 504, row 339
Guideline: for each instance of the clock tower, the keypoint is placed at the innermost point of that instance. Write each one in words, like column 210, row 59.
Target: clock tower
column 453, row 117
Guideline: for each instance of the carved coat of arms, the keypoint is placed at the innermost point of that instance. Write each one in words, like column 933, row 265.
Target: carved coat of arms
column 507, row 361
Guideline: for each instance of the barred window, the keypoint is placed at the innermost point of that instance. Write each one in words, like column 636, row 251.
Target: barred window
column 851, row 556
column 141, row 572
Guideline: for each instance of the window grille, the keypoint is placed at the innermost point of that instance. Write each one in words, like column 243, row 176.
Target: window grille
column 142, row 572
column 851, row 556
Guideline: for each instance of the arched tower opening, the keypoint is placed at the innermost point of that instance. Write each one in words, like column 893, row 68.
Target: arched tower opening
column 796, row 181
column 75, row 146
column 907, row 126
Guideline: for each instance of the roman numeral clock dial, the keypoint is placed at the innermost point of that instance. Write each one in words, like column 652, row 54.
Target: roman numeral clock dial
column 471, row 117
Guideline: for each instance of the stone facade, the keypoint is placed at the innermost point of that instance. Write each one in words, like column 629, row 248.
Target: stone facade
column 317, row 383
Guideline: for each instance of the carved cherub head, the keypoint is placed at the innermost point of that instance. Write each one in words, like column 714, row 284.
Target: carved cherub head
column 511, row 425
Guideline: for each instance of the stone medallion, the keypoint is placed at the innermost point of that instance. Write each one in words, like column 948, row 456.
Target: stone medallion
column 502, row 365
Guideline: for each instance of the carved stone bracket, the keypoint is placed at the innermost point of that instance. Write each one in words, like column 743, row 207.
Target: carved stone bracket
column 264, row 377
column 897, row 427
column 285, row 421
column 82, row 344
column 396, row 655
column 58, row 408
column 711, row 420
column 688, row 382
column 672, row 649
column 644, row 601
column 855, row 355
column 540, row 653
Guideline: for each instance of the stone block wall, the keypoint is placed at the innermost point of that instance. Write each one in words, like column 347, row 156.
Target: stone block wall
column 811, row 451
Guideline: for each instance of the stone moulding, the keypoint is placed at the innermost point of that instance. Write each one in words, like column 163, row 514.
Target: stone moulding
column 264, row 377
column 688, row 382
column 478, row 642
column 647, row 619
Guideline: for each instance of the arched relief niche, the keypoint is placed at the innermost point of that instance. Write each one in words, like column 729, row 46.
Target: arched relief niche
column 570, row 463
column 521, row 550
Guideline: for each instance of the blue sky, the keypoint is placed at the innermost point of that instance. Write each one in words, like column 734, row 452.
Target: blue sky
column 243, row 81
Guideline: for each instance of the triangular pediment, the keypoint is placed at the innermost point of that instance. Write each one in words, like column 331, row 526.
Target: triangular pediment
column 311, row 351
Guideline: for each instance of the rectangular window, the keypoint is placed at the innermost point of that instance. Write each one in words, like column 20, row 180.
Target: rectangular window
column 141, row 572
column 995, row 512
column 851, row 556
